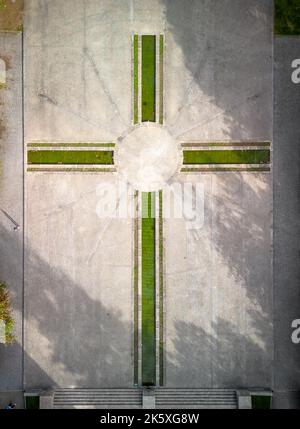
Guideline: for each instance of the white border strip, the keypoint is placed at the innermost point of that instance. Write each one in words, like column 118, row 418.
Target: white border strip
column 157, row 286
column 139, row 212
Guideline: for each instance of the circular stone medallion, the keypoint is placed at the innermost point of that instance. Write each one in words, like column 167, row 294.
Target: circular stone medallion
column 148, row 157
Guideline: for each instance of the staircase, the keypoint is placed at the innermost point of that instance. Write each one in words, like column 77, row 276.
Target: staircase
column 196, row 398
column 98, row 398
column 133, row 398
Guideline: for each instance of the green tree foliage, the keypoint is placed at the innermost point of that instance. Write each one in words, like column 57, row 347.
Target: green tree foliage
column 2, row 4
column 6, row 314
column 287, row 17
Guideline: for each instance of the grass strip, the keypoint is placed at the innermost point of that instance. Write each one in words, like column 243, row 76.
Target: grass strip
column 161, row 79
column 258, row 156
column 161, row 291
column 148, row 290
column 261, row 402
column 71, row 145
column 32, row 402
column 135, row 79
column 79, row 157
column 148, row 78
column 287, row 17
column 136, row 289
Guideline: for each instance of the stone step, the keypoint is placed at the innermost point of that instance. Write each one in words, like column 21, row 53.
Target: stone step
column 97, row 398
column 196, row 398
column 97, row 390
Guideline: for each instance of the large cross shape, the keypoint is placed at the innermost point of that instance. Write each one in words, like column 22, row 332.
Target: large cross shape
column 148, row 158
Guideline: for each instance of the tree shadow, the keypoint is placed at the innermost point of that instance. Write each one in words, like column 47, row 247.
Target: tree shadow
column 71, row 339
column 226, row 95
column 209, row 360
column 228, row 83
column 214, row 360
column 229, row 284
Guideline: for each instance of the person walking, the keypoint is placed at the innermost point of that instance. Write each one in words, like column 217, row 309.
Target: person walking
column 11, row 406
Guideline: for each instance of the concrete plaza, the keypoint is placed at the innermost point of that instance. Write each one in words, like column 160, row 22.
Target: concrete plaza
column 223, row 271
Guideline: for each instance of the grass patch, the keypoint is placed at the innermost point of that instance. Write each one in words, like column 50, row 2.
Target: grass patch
column 70, row 157
column 161, row 79
column 136, row 79
column 287, row 17
column 226, row 157
column 148, row 290
column 261, row 402
column 11, row 15
column 148, row 78
column 6, row 315
column 32, row 402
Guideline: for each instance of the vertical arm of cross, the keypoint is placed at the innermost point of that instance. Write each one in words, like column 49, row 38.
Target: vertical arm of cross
column 148, row 52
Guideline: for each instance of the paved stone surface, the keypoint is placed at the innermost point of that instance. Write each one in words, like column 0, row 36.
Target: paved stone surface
column 286, row 223
column 90, row 53
column 219, row 69
column 79, row 330
column 219, row 283
column 11, row 201
column 77, row 286
column 219, row 286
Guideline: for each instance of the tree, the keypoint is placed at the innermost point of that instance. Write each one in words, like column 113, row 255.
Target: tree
column 6, row 315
